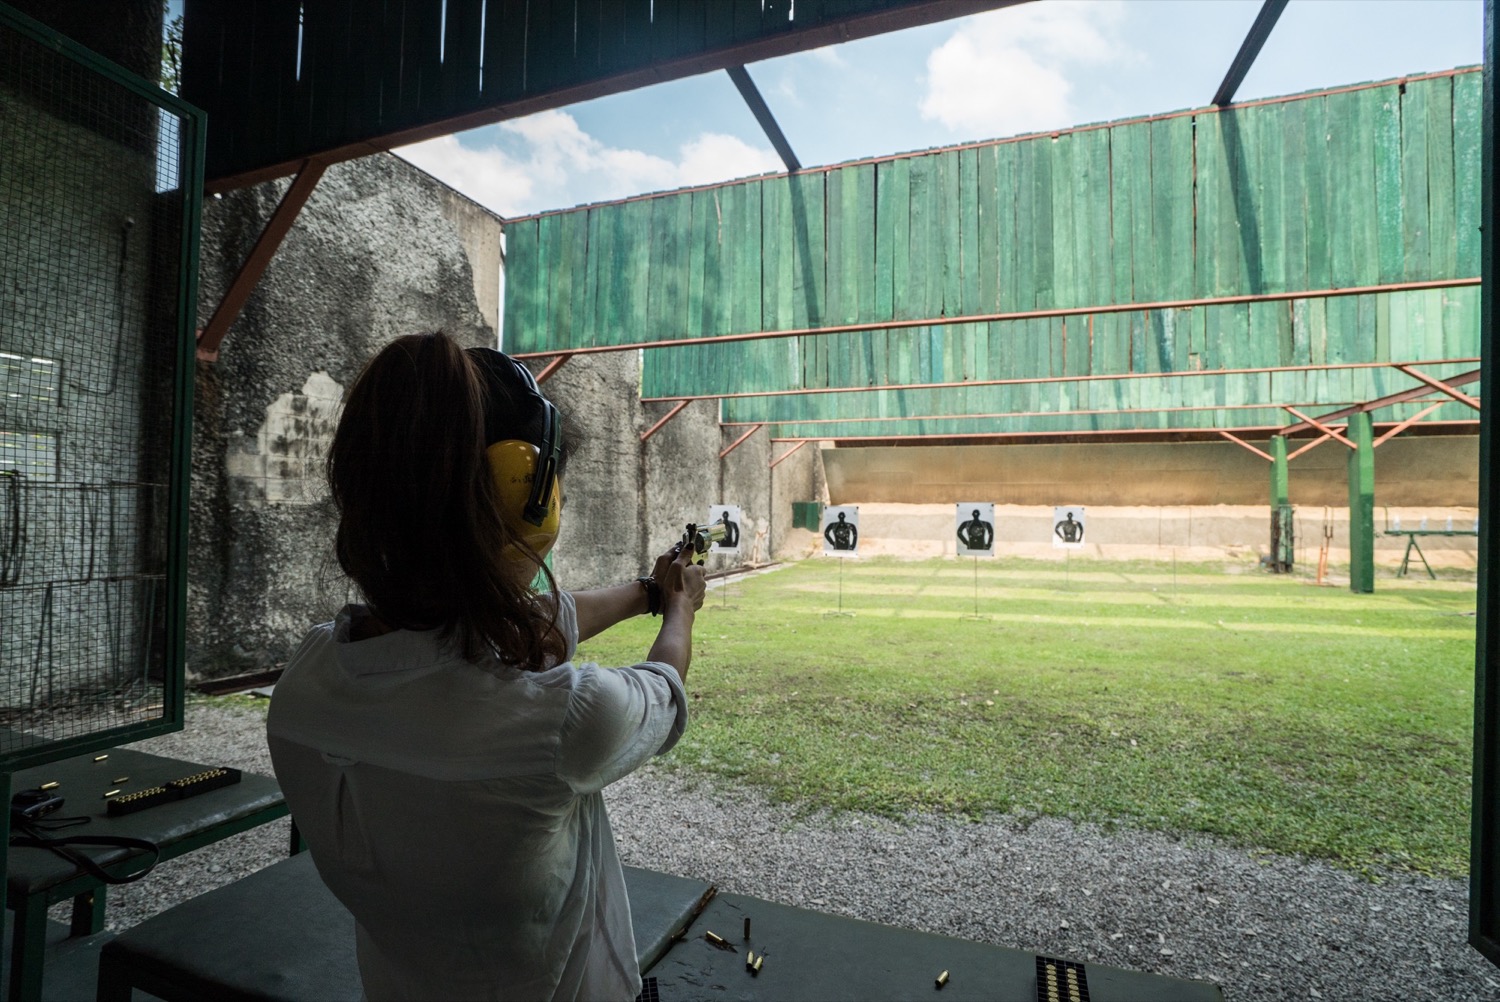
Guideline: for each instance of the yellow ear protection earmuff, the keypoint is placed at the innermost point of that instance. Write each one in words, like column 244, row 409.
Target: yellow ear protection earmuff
column 523, row 443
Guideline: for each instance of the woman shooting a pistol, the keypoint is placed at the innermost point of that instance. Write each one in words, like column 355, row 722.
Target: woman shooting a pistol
column 439, row 749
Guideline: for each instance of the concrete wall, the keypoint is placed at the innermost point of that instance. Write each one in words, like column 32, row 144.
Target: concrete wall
column 628, row 501
column 371, row 257
column 1426, row 470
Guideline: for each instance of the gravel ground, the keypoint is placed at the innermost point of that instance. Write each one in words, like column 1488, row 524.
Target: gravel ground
column 1263, row 927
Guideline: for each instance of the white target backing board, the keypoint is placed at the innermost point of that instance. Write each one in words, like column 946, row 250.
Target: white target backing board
column 732, row 518
column 841, row 530
column 1068, row 527
column 975, row 526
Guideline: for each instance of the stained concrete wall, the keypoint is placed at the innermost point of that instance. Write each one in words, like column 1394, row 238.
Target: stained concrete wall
column 1426, row 470
column 370, row 258
column 628, row 501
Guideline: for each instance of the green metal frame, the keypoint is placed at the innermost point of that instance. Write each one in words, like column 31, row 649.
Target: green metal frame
column 193, row 144
column 1484, row 849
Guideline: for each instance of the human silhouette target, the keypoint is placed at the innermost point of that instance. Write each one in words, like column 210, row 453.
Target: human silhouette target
column 1068, row 527
column 841, row 530
column 975, row 528
column 732, row 518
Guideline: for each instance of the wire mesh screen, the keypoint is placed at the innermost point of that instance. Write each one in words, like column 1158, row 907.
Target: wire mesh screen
column 93, row 265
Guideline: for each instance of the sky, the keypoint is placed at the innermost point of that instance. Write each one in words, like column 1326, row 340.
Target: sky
column 1037, row 66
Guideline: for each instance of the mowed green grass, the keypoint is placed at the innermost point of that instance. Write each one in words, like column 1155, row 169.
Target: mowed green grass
column 1264, row 710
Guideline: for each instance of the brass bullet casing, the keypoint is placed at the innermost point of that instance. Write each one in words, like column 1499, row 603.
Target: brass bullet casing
column 747, row 926
column 942, row 979
column 50, row 786
column 750, row 961
column 101, row 758
column 758, row 961
column 715, row 938
column 120, row 779
column 110, row 793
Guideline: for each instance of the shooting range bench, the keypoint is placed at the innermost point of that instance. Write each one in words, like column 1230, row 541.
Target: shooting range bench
column 1411, row 544
column 292, row 940
column 38, row 878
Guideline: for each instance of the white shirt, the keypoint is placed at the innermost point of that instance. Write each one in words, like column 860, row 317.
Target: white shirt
column 455, row 809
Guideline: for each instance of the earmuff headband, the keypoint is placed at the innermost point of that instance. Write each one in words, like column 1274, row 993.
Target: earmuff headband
column 516, row 409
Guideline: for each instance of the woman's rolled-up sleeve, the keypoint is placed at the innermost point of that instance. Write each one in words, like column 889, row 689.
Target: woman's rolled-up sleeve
column 617, row 719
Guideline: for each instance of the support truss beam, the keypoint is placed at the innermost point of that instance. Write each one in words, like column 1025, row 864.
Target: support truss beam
column 238, row 293
column 1381, row 402
column 1309, row 447
column 741, row 440
column 1440, row 386
column 1325, row 429
column 1246, row 445
column 783, row 457
column 762, row 113
column 669, row 415
column 1398, row 429
column 552, row 367
column 1270, row 11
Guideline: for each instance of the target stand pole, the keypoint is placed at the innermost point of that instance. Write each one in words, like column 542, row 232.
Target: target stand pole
column 976, row 592
column 841, row 611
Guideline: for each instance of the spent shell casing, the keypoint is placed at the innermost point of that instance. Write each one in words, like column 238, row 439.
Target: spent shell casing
column 110, row 793
column 101, row 758
column 50, row 786
column 758, row 961
column 750, row 960
column 747, row 926
column 120, row 779
column 942, row 979
column 715, row 938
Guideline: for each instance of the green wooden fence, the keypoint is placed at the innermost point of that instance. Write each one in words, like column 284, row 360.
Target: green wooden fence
column 1375, row 185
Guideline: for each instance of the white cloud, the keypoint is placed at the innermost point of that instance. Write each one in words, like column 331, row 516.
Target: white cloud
column 1011, row 71
column 546, row 161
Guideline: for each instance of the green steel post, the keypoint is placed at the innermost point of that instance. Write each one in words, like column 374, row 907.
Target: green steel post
column 1362, row 504
column 1282, row 542
column 1280, row 491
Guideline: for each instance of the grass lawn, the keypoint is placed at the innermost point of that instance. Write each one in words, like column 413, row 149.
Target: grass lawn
column 1261, row 709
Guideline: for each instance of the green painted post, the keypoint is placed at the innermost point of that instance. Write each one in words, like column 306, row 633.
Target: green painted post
column 1281, row 508
column 1361, row 504
column 1280, row 489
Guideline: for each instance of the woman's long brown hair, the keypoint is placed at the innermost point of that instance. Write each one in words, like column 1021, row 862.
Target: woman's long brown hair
column 419, row 531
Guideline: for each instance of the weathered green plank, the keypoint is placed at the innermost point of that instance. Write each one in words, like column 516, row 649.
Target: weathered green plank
column 1172, row 208
column 947, row 230
column 890, row 199
column 1442, row 232
column 1125, row 171
column 1320, row 211
column 632, row 265
column 1366, row 229
column 842, row 307
column 1467, row 130
column 922, row 261
column 1063, row 243
column 908, row 261
column 1292, row 150
column 747, row 263
column 1270, row 165
column 1039, row 230
column 1094, row 245
column 1413, row 194
column 704, row 213
column 859, row 231
column 521, row 285
column 1391, row 132
column 970, row 298
column 809, row 247
column 775, row 251
column 553, row 252
column 986, row 229
column 1007, row 234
